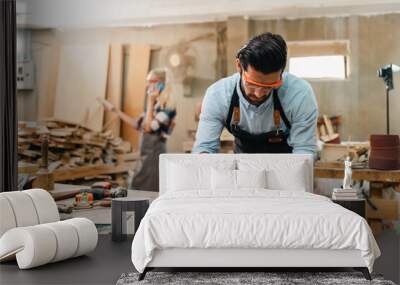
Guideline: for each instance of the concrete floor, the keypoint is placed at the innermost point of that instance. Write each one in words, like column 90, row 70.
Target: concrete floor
column 110, row 260
column 389, row 263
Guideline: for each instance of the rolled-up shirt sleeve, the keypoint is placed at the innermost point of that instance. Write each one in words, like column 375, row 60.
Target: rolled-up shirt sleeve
column 302, row 136
column 211, row 122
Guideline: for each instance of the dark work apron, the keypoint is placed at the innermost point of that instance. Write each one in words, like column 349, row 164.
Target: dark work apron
column 269, row 142
column 146, row 176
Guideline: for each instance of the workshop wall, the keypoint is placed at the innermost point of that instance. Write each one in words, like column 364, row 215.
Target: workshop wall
column 46, row 43
column 360, row 99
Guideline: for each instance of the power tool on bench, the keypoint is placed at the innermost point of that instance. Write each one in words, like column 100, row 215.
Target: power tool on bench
column 86, row 197
column 99, row 191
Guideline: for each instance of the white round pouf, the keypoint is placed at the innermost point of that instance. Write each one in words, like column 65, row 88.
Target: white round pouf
column 31, row 233
column 23, row 208
column 45, row 205
column 87, row 234
column 34, row 246
column 7, row 218
column 67, row 240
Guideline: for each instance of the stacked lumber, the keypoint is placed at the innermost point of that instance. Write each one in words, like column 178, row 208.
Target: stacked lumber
column 70, row 145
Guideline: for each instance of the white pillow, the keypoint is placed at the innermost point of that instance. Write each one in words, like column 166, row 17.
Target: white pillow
column 291, row 180
column 224, row 179
column 251, row 178
column 189, row 176
column 183, row 178
column 284, row 174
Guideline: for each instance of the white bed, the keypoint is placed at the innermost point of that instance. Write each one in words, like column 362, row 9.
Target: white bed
column 202, row 220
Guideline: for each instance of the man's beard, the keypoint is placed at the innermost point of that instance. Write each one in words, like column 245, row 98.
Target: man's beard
column 254, row 100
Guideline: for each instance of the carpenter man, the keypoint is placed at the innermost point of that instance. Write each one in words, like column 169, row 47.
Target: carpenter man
column 266, row 109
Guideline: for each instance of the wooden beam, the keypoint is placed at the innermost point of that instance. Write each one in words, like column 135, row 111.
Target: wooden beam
column 114, row 88
column 339, row 165
column 133, row 156
column 133, row 105
column 359, row 174
column 84, row 171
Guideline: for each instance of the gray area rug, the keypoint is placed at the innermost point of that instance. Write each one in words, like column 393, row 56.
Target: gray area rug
column 232, row 278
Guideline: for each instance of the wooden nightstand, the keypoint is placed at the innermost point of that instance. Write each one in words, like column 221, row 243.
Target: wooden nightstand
column 357, row 206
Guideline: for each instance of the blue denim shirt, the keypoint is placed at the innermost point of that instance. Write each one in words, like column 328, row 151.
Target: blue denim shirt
column 298, row 102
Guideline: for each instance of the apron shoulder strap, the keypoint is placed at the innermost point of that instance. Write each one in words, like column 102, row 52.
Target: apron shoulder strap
column 234, row 103
column 278, row 107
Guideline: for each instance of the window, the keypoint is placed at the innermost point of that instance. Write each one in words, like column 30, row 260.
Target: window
column 321, row 60
column 319, row 67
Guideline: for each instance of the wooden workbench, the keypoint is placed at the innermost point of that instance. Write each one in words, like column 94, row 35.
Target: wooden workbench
column 98, row 215
column 335, row 170
column 379, row 179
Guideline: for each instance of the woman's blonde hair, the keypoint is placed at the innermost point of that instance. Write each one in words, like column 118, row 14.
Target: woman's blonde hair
column 165, row 99
column 159, row 73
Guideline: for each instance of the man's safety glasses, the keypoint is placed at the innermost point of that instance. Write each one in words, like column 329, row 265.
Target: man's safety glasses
column 253, row 85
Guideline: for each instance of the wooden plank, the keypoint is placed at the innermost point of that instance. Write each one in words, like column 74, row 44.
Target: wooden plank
column 387, row 209
column 47, row 79
column 359, row 174
column 329, row 164
column 328, row 125
column 133, row 105
column 27, row 168
column 114, row 88
column 93, row 170
column 82, row 77
column 129, row 156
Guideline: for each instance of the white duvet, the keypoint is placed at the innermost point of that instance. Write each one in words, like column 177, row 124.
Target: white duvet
column 253, row 218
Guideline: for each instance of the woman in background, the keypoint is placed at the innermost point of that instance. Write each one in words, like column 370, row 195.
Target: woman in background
column 155, row 124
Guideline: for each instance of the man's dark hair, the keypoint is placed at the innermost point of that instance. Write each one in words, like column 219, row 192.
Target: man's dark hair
column 266, row 53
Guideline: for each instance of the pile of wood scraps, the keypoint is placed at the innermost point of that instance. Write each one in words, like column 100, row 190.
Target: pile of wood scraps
column 73, row 151
column 357, row 151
